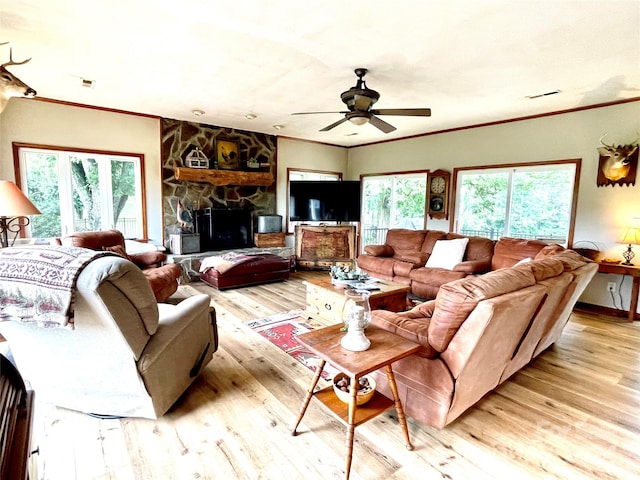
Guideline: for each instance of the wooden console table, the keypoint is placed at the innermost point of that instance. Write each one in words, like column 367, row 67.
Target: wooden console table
column 634, row 272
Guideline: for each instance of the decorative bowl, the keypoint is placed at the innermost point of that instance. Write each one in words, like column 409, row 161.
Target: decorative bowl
column 341, row 384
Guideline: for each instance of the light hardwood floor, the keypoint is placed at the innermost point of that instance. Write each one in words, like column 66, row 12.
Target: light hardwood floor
column 572, row 414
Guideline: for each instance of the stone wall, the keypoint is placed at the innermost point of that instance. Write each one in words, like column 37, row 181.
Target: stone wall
column 180, row 138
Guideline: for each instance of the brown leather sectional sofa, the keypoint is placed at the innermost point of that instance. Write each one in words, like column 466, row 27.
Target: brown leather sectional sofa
column 481, row 329
column 403, row 257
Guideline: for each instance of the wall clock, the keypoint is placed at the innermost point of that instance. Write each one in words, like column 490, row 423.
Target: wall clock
column 438, row 194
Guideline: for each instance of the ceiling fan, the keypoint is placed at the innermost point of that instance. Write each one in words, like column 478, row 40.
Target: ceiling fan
column 359, row 99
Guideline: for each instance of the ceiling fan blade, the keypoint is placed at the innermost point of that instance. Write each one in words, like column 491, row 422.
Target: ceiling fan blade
column 409, row 112
column 381, row 124
column 342, row 120
column 313, row 113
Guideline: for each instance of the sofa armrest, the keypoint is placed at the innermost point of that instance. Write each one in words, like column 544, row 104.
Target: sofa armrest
column 379, row 250
column 473, row 266
column 148, row 259
column 421, row 310
column 413, row 329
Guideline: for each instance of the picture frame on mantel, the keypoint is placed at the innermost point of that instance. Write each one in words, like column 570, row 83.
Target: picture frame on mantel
column 227, row 154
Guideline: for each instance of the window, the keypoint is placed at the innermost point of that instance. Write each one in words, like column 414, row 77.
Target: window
column 82, row 191
column 392, row 201
column 293, row 174
column 524, row 201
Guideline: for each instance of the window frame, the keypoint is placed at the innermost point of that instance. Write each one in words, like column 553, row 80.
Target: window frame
column 364, row 176
column 139, row 173
column 577, row 162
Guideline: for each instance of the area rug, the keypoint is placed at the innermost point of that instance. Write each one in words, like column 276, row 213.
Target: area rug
column 282, row 330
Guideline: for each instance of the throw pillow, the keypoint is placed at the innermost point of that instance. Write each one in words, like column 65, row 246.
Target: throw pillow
column 447, row 253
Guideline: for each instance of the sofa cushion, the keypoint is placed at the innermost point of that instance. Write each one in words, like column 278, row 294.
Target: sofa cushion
column 549, row 251
column 478, row 248
column 508, row 251
column 377, row 266
column 93, row 240
column 379, row 250
column 543, row 269
column 457, row 299
column 414, row 329
column 435, row 276
column 402, row 268
column 430, row 240
column 447, row 253
column 570, row 259
column 405, row 241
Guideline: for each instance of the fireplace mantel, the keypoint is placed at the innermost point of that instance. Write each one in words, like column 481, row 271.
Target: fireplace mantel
column 224, row 177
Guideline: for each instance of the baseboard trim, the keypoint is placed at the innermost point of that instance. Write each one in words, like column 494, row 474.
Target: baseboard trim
column 615, row 313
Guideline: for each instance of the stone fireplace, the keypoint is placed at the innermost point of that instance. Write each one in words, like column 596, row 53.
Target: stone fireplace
column 199, row 192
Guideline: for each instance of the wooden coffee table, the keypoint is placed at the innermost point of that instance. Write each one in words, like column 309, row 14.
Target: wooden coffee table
column 385, row 349
column 325, row 300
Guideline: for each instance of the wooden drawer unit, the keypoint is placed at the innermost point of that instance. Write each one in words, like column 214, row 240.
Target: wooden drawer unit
column 263, row 240
column 324, row 304
column 325, row 300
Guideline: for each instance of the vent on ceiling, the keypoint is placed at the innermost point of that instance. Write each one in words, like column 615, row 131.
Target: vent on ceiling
column 552, row 92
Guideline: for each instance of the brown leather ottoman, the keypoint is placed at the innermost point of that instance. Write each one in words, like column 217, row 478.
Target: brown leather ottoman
column 259, row 269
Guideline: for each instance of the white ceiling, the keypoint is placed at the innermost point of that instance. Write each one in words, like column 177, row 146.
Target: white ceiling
column 470, row 61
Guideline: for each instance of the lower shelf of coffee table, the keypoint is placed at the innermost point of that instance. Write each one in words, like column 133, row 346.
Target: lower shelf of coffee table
column 374, row 407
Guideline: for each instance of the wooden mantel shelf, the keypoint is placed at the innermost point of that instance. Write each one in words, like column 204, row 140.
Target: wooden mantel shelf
column 224, row 177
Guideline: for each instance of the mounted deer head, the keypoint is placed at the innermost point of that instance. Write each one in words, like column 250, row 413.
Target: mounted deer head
column 10, row 85
column 617, row 162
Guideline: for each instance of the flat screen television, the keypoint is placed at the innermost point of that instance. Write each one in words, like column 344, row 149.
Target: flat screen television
column 324, row 201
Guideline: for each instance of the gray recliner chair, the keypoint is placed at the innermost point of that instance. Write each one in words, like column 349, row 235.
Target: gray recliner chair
column 127, row 355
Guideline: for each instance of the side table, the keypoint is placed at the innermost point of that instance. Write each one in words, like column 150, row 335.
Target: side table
column 634, row 272
column 385, row 349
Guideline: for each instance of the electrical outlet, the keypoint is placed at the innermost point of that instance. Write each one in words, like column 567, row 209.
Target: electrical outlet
column 611, row 287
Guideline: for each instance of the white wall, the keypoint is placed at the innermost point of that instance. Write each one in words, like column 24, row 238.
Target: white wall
column 304, row 155
column 602, row 212
column 601, row 215
column 45, row 123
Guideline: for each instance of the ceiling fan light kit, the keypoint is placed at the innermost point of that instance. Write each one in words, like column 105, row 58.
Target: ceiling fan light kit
column 358, row 118
column 359, row 99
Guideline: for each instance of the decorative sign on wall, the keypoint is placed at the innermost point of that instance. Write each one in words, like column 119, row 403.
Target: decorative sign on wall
column 618, row 164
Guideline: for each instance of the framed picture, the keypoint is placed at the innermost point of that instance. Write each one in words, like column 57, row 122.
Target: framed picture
column 227, row 154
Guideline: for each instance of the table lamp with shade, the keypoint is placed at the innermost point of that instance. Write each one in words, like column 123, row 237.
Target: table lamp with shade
column 631, row 237
column 14, row 208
